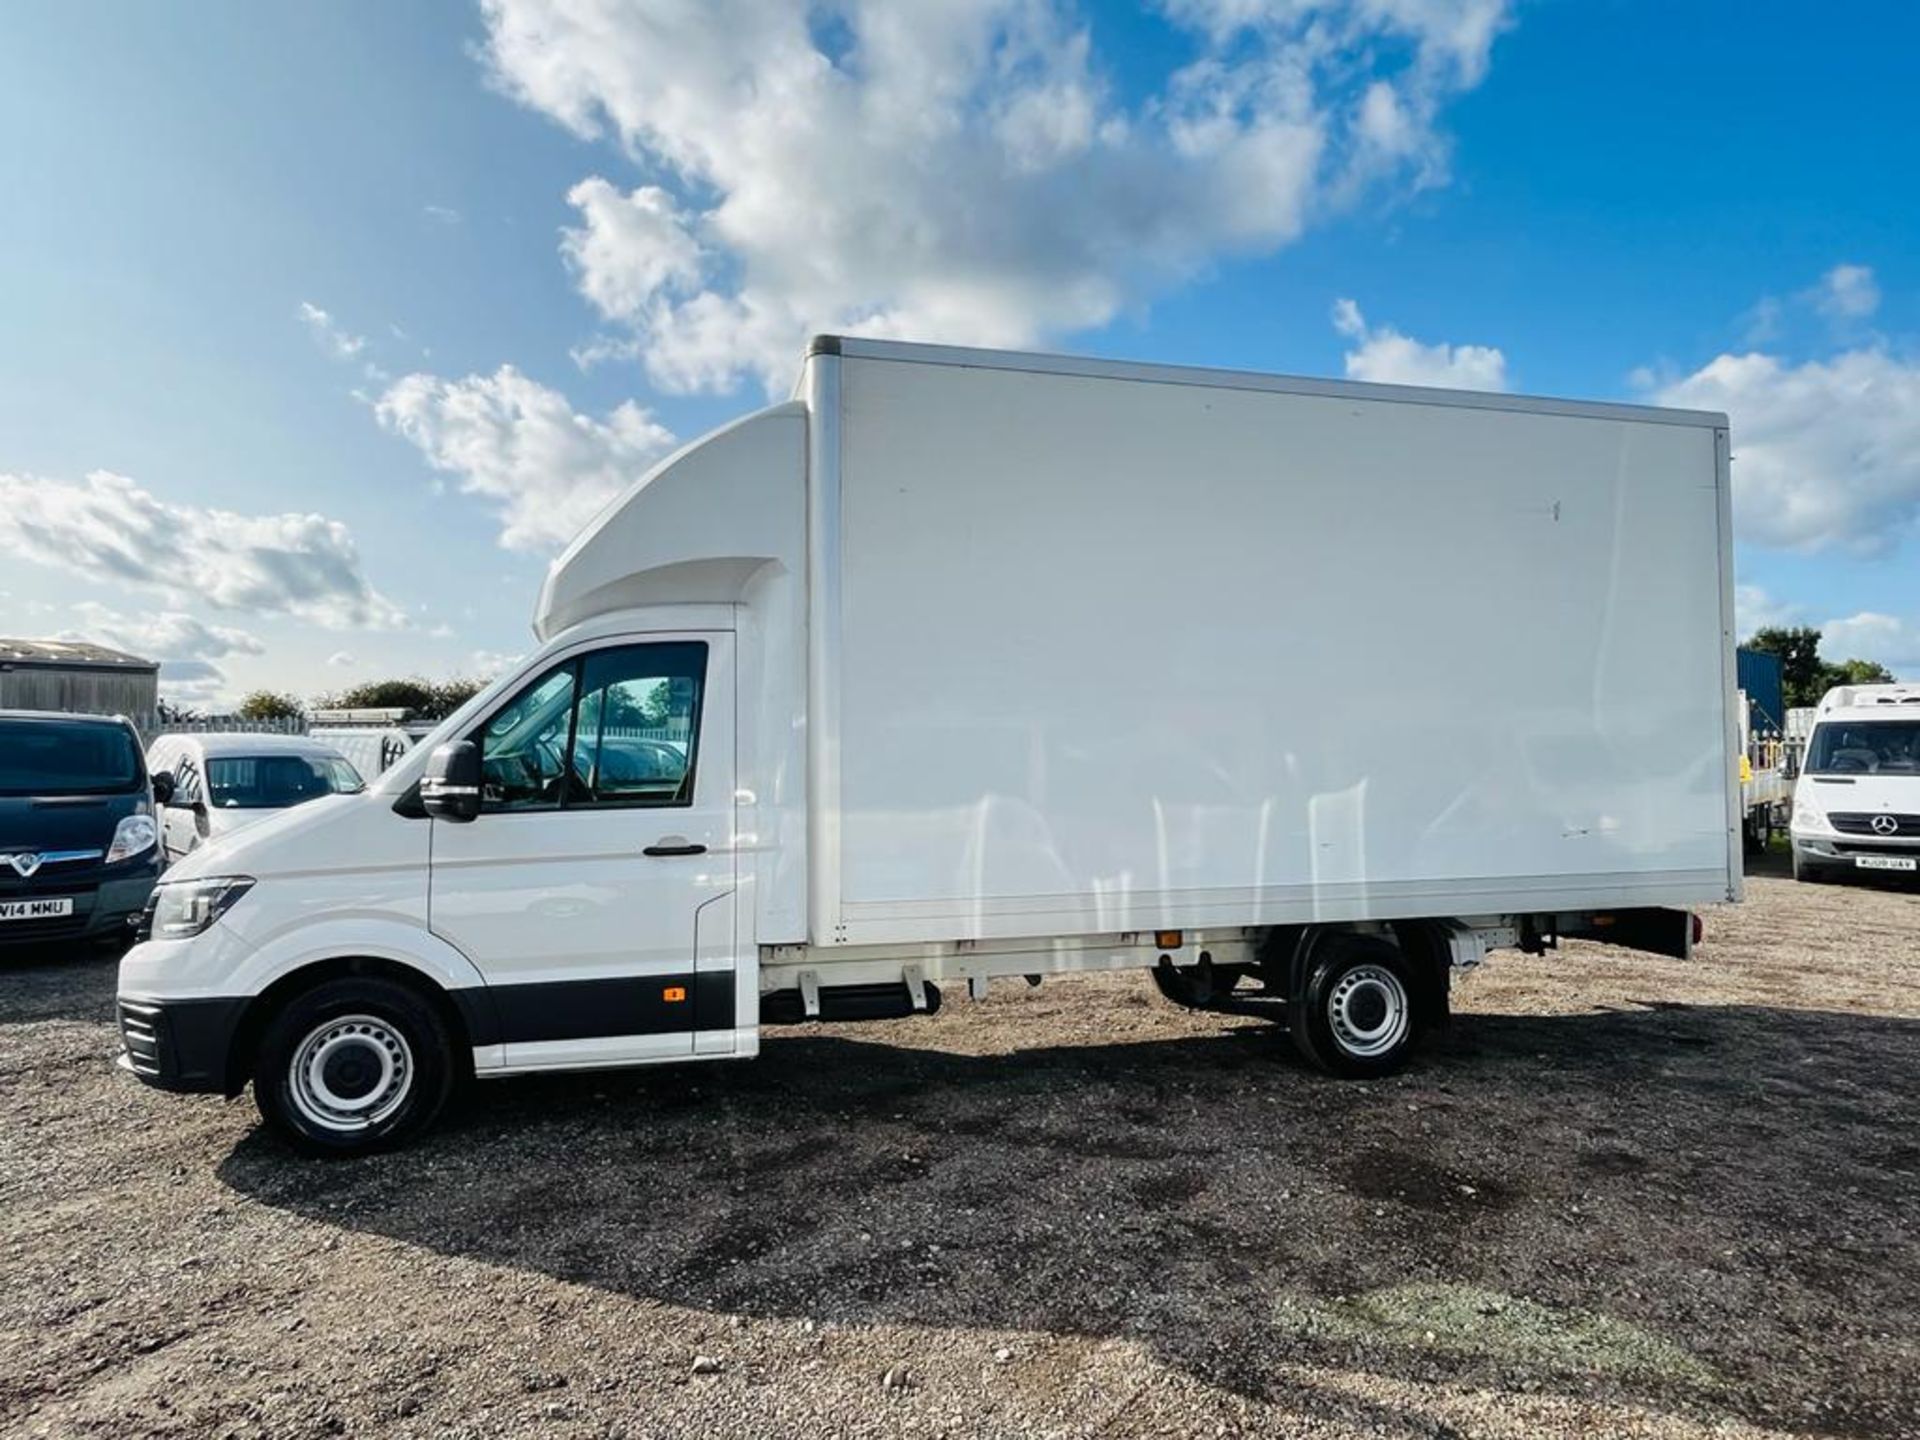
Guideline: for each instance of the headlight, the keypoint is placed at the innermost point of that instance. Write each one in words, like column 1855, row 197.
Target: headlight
column 132, row 836
column 1807, row 818
column 185, row 908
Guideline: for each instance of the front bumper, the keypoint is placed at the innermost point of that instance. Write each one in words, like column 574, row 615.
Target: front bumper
column 102, row 909
column 1843, row 851
column 181, row 1045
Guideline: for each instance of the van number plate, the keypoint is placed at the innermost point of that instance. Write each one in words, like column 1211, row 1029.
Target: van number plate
column 36, row 909
column 1885, row 862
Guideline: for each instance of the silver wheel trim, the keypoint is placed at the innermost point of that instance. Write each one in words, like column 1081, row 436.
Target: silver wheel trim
column 379, row 1042
column 1381, row 986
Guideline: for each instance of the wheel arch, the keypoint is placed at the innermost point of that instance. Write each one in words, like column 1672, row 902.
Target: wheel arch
column 466, row 1013
column 1286, row 954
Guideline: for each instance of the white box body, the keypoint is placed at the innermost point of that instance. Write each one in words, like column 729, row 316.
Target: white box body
column 1100, row 648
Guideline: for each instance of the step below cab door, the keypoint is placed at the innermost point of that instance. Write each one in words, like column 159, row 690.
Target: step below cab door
column 595, row 890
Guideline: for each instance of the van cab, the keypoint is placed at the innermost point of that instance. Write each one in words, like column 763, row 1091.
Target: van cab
column 218, row 784
column 79, row 849
column 1856, row 805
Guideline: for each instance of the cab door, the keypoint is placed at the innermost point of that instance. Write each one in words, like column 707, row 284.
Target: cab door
column 599, row 874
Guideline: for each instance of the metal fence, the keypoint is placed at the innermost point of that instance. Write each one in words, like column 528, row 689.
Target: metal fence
column 152, row 727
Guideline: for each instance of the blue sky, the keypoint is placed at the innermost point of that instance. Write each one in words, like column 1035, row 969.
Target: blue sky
column 265, row 265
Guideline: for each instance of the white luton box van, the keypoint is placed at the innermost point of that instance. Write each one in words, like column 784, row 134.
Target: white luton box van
column 964, row 665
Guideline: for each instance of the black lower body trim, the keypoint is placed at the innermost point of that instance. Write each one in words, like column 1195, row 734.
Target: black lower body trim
column 598, row 1009
column 186, row 1045
column 181, row 1045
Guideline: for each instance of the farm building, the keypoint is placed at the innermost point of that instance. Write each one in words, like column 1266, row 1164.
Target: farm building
column 74, row 676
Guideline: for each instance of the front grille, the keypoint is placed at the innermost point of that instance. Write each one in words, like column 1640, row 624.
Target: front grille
column 1855, row 822
column 45, row 882
column 140, row 1033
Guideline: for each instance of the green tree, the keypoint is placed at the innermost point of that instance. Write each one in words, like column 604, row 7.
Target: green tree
column 450, row 695
column 270, row 705
column 427, row 699
column 1804, row 676
column 1859, row 672
column 414, row 695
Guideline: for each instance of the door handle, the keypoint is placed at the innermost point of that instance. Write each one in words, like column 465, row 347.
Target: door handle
column 673, row 845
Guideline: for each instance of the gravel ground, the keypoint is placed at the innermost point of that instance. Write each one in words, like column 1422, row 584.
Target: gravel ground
column 1620, row 1196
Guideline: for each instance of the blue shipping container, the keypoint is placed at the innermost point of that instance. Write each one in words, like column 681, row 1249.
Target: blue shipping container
column 1759, row 673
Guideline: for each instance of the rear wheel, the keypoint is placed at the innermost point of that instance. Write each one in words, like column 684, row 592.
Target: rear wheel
column 353, row 1065
column 1355, row 1012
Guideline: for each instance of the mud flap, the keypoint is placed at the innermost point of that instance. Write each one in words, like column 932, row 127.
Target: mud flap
column 1655, row 930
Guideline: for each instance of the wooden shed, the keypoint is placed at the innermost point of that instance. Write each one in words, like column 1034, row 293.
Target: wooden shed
column 74, row 676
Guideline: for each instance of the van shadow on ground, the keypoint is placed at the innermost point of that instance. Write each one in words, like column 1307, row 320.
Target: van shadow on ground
column 1681, row 1206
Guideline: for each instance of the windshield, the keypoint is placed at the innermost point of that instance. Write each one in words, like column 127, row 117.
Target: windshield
column 1865, row 747
column 66, row 757
column 274, row 782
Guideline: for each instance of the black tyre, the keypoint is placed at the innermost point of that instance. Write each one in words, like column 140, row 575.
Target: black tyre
column 1808, row 871
column 353, row 1065
column 1356, row 1013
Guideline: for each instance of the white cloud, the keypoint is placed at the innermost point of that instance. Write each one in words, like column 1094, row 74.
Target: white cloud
column 520, row 445
column 1384, row 355
column 486, row 664
column 445, row 214
column 1450, row 33
column 1754, row 609
column 163, row 634
column 1825, row 454
column 1871, row 635
column 107, row 528
column 1848, row 292
column 185, row 646
column 340, row 659
column 960, row 172
column 327, row 333
column 630, row 248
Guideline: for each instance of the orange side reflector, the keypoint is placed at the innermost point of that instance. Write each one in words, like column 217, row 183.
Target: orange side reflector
column 674, row 994
column 1166, row 939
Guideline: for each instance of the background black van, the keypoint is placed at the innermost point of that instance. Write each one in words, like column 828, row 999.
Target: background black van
column 78, row 851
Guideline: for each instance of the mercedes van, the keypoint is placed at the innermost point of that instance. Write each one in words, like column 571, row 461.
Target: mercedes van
column 1856, row 805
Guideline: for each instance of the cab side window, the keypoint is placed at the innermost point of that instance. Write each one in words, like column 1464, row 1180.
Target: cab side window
column 638, row 725
column 523, row 747
column 617, row 727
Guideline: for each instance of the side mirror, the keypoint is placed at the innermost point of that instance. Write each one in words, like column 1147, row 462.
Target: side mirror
column 163, row 788
column 450, row 790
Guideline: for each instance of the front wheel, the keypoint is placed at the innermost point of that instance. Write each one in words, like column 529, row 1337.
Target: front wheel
column 353, row 1065
column 1808, row 871
column 1355, row 1013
